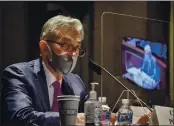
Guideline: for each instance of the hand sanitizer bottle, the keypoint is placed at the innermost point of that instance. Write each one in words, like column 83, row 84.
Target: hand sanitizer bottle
column 106, row 112
column 93, row 108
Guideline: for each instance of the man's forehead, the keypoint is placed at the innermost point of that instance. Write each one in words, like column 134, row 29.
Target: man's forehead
column 69, row 35
column 69, row 38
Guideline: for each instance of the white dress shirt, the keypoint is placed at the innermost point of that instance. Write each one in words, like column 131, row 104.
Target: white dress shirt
column 50, row 79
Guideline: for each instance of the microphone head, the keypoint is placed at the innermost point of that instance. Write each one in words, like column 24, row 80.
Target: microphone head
column 95, row 67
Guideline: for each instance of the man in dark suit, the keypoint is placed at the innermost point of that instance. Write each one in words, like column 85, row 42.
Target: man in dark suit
column 29, row 89
column 149, row 63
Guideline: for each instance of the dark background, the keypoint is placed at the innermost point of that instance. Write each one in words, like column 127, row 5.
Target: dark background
column 21, row 23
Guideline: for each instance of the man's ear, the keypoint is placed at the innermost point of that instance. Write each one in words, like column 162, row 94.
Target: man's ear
column 45, row 51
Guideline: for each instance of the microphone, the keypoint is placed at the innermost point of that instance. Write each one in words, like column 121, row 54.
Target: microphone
column 94, row 67
column 97, row 68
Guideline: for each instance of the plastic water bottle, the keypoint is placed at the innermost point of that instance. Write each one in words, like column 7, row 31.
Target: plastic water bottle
column 125, row 113
column 106, row 111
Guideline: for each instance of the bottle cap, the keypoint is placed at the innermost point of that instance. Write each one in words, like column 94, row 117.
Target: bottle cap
column 102, row 99
column 125, row 101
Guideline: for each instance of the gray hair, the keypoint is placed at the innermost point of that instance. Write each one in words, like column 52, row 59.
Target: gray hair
column 147, row 48
column 55, row 23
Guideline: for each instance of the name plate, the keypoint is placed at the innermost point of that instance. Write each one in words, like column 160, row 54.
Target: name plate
column 162, row 115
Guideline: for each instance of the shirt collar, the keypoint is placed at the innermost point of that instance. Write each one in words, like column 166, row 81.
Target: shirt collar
column 50, row 78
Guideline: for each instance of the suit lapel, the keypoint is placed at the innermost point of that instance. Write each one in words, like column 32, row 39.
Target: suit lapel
column 66, row 87
column 41, row 85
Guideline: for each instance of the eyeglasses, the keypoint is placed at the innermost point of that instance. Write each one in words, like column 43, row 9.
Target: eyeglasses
column 69, row 48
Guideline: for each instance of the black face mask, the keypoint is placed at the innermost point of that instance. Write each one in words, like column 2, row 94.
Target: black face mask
column 62, row 64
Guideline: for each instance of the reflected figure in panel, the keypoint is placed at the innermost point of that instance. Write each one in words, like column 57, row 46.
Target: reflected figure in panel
column 149, row 65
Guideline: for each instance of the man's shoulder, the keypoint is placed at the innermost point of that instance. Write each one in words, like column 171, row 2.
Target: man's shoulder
column 20, row 66
column 153, row 58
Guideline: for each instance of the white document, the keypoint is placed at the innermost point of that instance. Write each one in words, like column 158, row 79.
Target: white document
column 163, row 116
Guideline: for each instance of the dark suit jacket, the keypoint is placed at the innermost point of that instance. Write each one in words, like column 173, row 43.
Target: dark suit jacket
column 24, row 95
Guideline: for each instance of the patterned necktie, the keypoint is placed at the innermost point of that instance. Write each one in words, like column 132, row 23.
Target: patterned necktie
column 57, row 92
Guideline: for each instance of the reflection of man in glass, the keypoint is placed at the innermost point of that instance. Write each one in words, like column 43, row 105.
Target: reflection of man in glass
column 149, row 63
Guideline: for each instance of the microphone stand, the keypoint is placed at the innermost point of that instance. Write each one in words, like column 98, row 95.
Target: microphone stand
column 97, row 67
